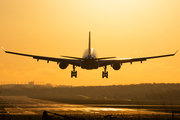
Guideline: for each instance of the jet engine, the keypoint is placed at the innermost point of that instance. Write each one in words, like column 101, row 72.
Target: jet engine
column 116, row 66
column 63, row 65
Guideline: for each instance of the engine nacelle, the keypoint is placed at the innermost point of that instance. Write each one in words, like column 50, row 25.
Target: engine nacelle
column 116, row 66
column 63, row 65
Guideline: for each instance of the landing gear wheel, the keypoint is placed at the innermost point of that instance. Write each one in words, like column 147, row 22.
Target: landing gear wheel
column 105, row 73
column 74, row 73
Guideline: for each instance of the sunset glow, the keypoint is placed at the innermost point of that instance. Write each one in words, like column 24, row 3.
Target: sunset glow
column 124, row 28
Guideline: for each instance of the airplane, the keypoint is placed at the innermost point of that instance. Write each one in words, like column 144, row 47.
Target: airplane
column 89, row 60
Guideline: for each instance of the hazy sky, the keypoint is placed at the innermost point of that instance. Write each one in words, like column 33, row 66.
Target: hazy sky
column 124, row 28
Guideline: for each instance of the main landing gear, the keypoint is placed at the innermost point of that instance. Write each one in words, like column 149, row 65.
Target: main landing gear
column 74, row 73
column 105, row 73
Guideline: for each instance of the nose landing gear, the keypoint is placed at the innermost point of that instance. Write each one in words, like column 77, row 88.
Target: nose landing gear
column 105, row 73
column 74, row 73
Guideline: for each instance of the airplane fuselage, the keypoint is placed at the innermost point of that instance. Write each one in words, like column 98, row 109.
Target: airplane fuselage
column 89, row 62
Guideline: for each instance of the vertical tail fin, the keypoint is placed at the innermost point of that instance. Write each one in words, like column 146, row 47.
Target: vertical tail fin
column 89, row 49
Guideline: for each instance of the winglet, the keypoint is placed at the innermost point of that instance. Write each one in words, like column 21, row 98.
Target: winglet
column 175, row 52
column 4, row 49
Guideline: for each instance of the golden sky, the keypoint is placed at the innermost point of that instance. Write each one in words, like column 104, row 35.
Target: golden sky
column 124, row 28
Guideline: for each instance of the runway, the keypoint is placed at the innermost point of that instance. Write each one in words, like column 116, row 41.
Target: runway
column 23, row 105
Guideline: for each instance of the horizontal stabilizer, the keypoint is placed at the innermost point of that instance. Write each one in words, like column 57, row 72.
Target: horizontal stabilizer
column 105, row 58
column 83, row 58
column 72, row 57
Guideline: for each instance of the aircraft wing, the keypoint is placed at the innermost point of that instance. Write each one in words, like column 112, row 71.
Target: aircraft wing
column 130, row 60
column 68, row 61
